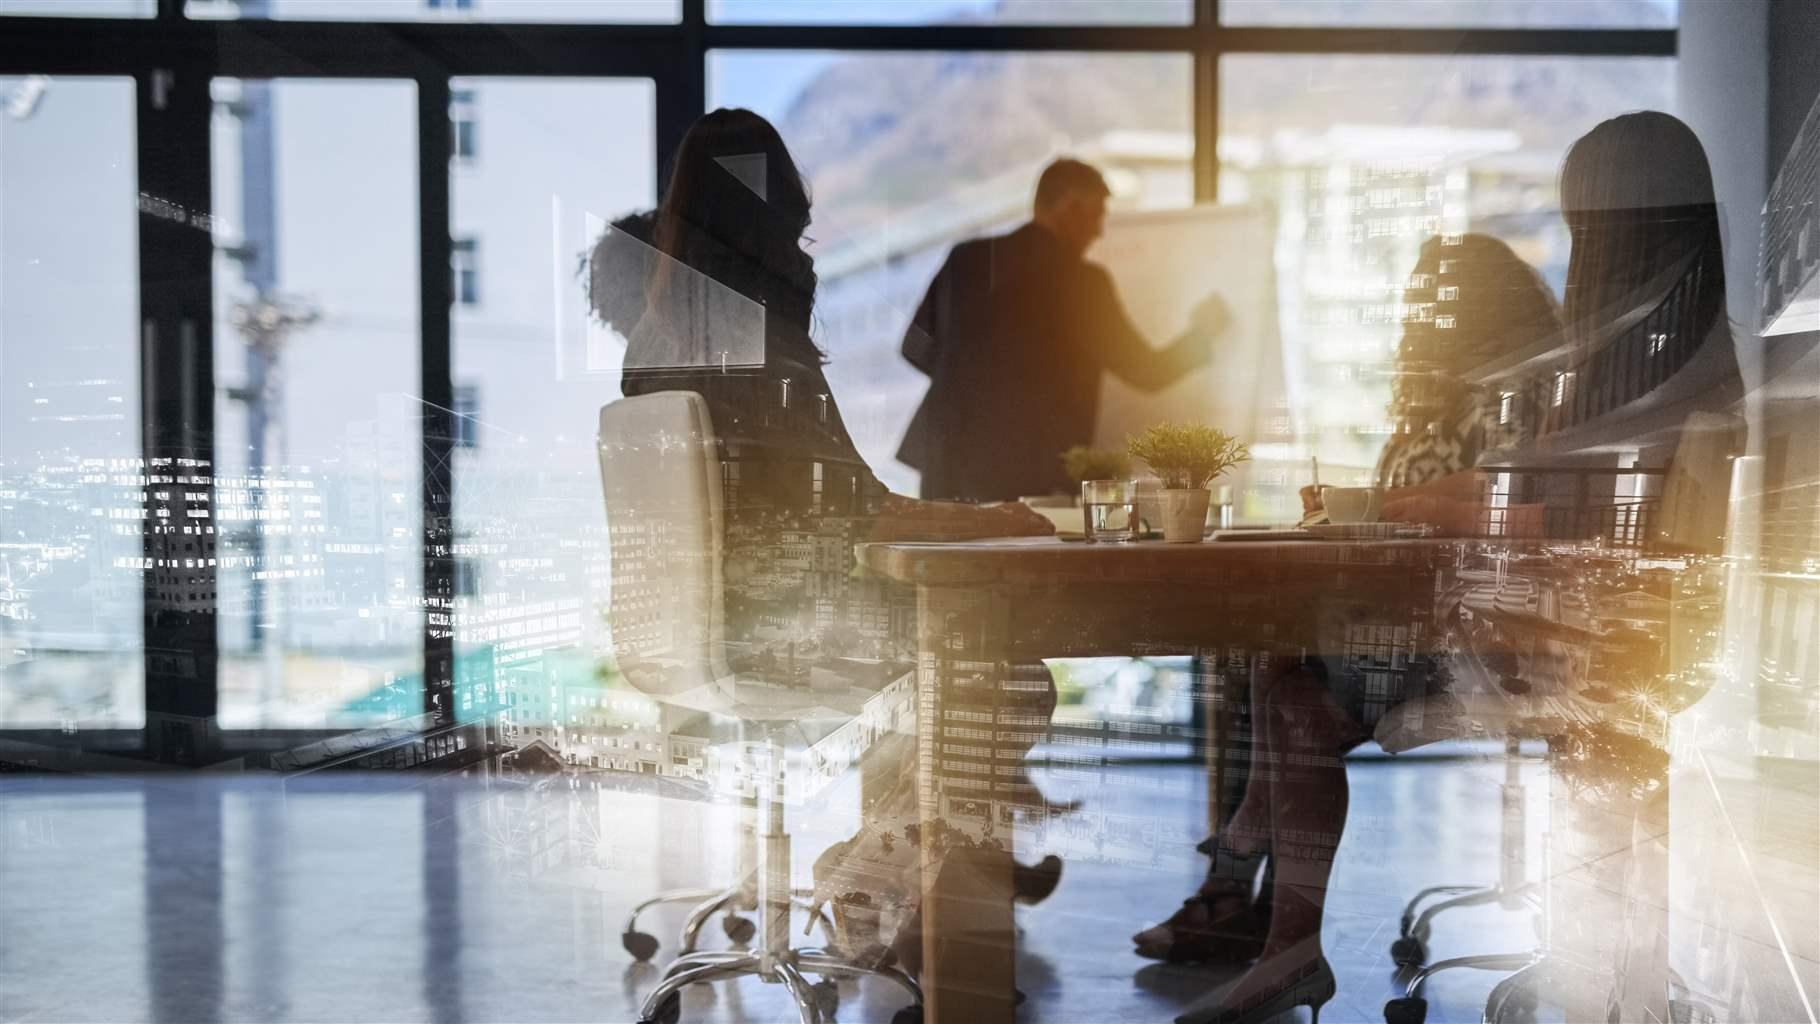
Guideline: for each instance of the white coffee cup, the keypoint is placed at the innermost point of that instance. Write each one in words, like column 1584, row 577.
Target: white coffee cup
column 1352, row 504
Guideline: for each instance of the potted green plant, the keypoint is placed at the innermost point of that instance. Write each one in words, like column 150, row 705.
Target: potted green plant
column 1186, row 457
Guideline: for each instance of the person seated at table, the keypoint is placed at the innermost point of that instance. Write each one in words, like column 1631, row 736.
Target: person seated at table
column 721, row 233
column 1442, row 424
column 715, row 295
column 1486, row 303
column 1637, row 197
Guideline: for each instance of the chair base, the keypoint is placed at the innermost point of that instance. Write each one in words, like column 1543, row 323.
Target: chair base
column 734, row 900
column 1411, row 946
column 643, row 945
column 1510, row 996
column 816, row 1003
column 765, row 889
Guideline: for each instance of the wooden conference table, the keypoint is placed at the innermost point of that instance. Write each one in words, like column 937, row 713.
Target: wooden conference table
column 989, row 610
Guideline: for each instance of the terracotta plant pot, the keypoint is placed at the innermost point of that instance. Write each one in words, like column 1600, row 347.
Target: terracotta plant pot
column 1184, row 514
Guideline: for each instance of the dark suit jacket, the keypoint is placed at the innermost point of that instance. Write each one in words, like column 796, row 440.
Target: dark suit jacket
column 1015, row 334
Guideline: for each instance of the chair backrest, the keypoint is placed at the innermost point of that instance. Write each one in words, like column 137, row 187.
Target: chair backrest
column 660, row 476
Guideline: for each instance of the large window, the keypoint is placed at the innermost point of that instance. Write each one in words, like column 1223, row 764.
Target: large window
column 330, row 260
column 71, row 572
column 908, row 154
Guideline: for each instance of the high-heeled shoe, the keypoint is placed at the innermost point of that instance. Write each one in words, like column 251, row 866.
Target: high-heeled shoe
column 1309, row 985
column 1206, row 929
column 1221, row 923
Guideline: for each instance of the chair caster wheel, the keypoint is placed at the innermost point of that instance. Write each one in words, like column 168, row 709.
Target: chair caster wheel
column 908, row 1015
column 827, row 997
column 1408, row 951
column 739, row 930
column 642, row 947
column 668, row 1012
column 1413, row 1010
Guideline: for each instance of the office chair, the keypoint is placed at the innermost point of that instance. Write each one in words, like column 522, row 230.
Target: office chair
column 1512, row 891
column 660, row 476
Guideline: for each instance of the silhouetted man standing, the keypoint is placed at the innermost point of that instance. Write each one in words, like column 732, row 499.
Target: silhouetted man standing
column 1015, row 334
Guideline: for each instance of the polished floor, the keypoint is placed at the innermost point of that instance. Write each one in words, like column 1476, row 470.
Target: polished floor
column 180, row 898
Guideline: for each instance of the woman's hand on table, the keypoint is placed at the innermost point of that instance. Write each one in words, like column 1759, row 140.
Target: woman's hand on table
column 1451, row 516
column 911, row 519
column 1455, row 505
column 1458, row 517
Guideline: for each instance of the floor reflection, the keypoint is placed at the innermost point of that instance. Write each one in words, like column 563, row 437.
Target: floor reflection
column 386, row 897
column 399, row 898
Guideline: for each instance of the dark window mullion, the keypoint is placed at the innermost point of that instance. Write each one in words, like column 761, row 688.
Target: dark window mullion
column 682, row 94
column 1206, row 113
column 1206, row 101
column 264, row 49
column 1513, row 42
column 177, row 376
column 437, row 392
column 982, row 37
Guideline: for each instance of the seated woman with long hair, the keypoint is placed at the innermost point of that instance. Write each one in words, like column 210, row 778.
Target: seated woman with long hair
column 1496, row 304
column 1638, row 200
column 719, row 268
column 716, row 295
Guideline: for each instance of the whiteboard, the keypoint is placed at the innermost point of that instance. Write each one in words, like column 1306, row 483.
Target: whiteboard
column 1164, row 263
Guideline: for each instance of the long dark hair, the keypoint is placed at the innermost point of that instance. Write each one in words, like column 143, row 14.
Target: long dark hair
column 1473, row 300
column 735, row 210
column 1637, row 195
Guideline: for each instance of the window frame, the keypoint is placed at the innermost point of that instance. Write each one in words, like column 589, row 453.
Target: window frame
column 172, row 59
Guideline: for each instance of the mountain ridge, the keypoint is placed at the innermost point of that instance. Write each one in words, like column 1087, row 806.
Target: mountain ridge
column 878, row 133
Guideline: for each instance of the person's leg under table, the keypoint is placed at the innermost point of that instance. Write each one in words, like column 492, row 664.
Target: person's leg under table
column 1226, row 918
column 1300, row 812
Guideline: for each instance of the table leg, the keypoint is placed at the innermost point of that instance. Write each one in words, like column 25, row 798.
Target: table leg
column 1210, row 714
column 968, row 971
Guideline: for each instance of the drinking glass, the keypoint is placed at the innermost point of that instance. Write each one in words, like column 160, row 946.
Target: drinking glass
column 1109, row 509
